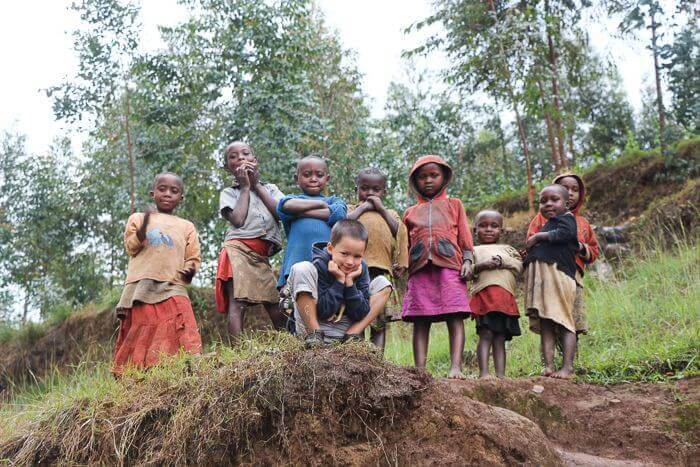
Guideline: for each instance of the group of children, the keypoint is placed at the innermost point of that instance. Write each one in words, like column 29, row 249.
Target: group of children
column 340, row 265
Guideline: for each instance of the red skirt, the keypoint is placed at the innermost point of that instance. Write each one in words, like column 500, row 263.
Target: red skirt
column 494, row 298
column 224, row 272
column 149, row 331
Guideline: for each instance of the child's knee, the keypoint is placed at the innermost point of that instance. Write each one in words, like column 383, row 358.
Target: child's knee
column 303, row 278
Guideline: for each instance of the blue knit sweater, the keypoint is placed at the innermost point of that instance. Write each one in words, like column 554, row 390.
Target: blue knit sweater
column 303, row 232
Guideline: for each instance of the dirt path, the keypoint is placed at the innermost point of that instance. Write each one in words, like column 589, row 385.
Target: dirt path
column 627, row 424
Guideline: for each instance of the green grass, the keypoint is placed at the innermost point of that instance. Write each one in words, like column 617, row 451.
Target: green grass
column 644, row 326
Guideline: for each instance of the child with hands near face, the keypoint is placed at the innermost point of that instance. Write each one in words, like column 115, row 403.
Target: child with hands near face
column 331, row 293
column 244, row 275
column 155, row 313
column 307, row 218
column 440, row 261
column 550, row 285
column 387, row 251
column 493, row 292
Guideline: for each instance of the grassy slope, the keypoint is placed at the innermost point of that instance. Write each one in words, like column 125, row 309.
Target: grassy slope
column 644, row 325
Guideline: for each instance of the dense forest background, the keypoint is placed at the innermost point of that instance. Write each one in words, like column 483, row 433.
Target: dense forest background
column 525, row 96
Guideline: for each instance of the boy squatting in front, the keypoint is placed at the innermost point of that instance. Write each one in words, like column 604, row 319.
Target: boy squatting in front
column 332, row 292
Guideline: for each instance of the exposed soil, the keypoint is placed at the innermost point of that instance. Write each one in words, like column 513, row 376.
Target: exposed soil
column 343, row 405
column 647, row 423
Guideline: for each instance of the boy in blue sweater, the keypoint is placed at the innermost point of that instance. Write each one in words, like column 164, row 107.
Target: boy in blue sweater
column 331, row 293
column 307, row 218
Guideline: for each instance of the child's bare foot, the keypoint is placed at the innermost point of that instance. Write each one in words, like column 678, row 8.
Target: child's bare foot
column 563, row 374
column 486, row 376
column 547, row 372
column 456, row 373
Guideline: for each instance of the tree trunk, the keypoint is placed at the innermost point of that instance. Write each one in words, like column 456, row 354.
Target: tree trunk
column 552, row 57
column 571, row 146
column 556, row 159
column 25, row 311
column 657, row 75
column 504, row 154
column 521, row 128
column 130, row 151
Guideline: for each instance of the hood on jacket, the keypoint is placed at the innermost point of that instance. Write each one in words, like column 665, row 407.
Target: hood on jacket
column 319, row 253
column 423, row 160
column 581, row 190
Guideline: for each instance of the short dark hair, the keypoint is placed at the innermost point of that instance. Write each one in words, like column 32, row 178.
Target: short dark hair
column 487, row 212
column 559, row 188
column 370, row 171
column 228, row 148
column 167, row 174
column 312, row 157
column 348, row 228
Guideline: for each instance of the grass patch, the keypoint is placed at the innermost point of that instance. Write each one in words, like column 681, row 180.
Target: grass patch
column 644, row 326
column 259, row 402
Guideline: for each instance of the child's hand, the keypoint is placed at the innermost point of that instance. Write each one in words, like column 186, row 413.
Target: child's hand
column 187, row 274
column 366, row 205
column 254, row 175
column 243, row 175
column 493, row 263
column 376, row 202
column 467, row 271
column 533, row 240
column 350, row 278
column 336, row 272
column 148, row 210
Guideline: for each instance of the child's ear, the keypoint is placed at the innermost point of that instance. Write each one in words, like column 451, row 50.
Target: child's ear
column 329, row 247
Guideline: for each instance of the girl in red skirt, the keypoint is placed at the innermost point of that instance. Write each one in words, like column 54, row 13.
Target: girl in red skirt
column 154, row 309
column 493, row 290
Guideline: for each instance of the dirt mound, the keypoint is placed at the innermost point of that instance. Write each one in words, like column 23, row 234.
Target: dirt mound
column 88, row 336
column 625, row 188
column 651, row 423
column 343, row 405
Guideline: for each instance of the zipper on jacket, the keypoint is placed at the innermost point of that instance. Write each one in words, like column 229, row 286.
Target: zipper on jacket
column 430, row 230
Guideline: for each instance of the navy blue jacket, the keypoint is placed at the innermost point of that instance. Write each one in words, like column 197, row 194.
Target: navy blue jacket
column 562, row 245
column 332, row 294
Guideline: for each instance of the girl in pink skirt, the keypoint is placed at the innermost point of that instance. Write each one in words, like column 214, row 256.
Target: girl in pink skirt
column 440, row 263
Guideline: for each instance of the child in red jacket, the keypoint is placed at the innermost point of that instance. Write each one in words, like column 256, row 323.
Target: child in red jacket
column 440, row 261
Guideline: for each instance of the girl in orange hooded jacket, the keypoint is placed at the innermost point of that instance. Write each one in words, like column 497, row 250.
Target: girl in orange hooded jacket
column 440, row 261
column 588, row 243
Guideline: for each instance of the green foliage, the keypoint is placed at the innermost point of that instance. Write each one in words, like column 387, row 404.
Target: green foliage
column 683, row 67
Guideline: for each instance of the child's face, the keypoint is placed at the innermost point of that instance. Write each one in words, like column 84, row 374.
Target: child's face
column 167, row 193
column 370, row 185
column 348, row 253
column 489, row 228
column 236, row 154
column 572, row 186
column 312, row 176
column 552, row 202
column 430, row 179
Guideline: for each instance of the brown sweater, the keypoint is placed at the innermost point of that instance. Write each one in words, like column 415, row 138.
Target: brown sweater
column 383, row 250
column 511, row 267
column 171, row 244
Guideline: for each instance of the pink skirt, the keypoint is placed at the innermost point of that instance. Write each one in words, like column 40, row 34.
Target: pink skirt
column 436, row 294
